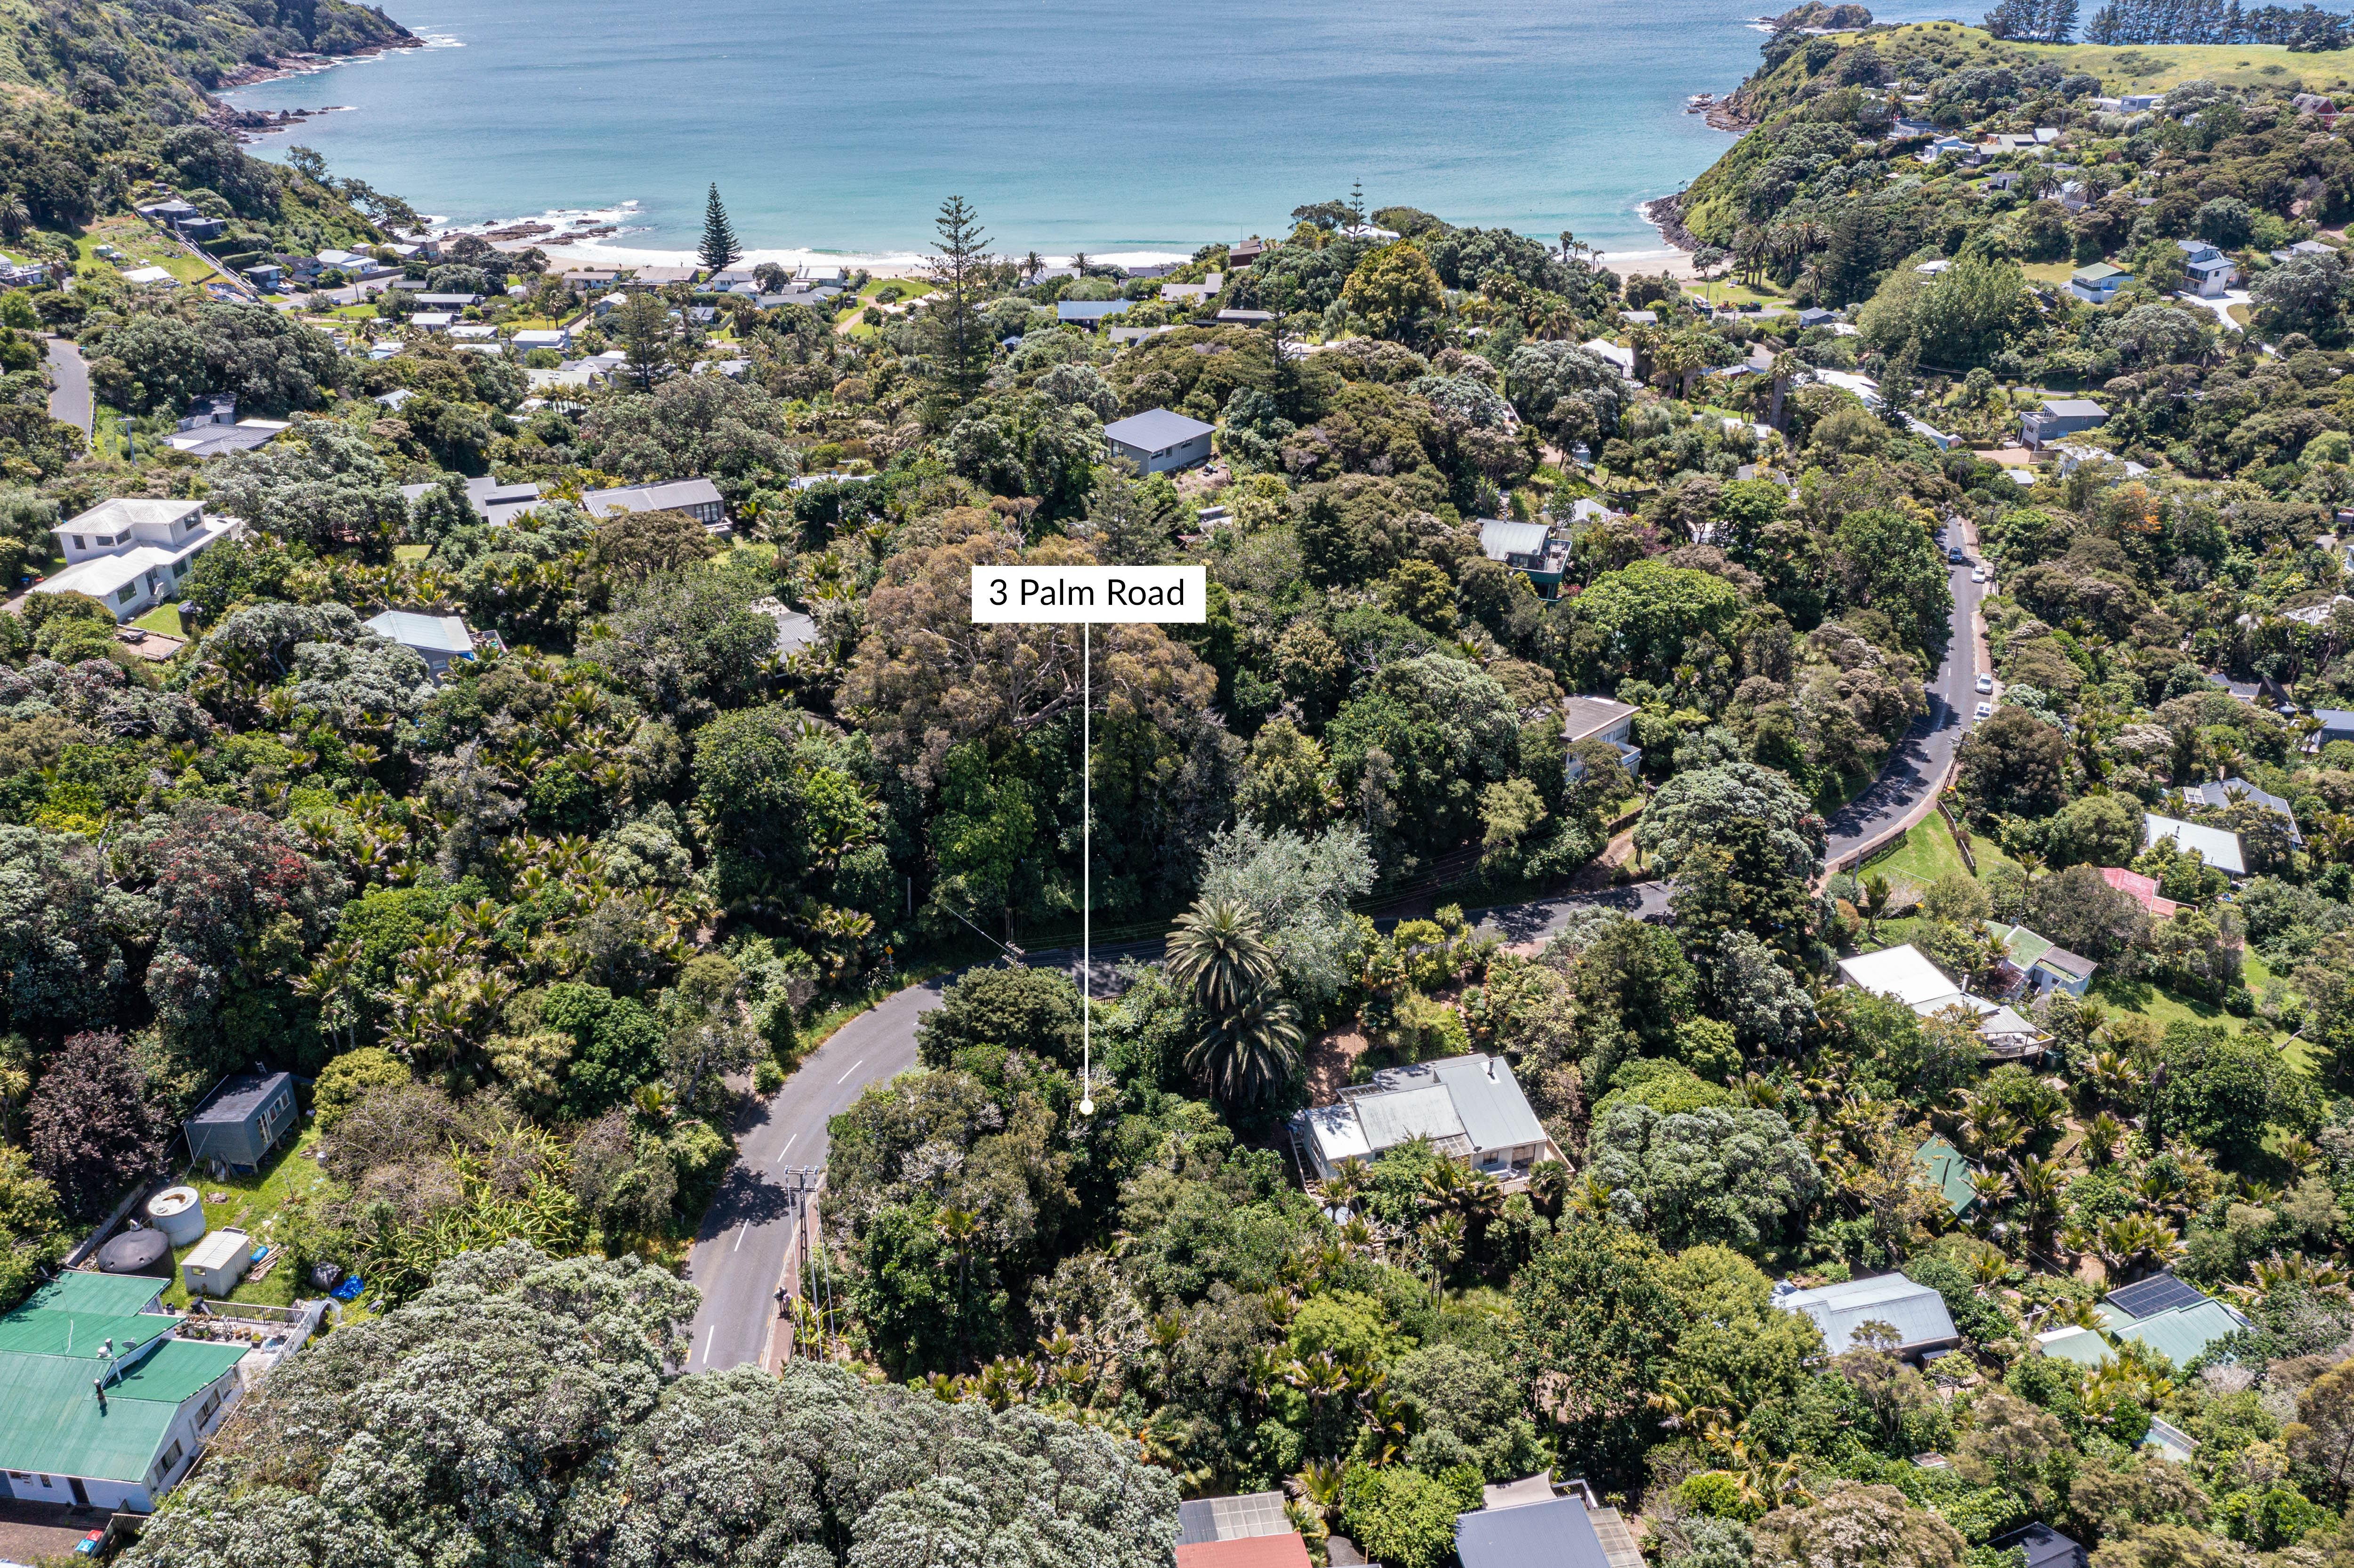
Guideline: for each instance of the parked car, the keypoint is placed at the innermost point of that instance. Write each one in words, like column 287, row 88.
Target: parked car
column 1984, row 711
column 1986, row 682
column 1954, row 554
column 1978, row 574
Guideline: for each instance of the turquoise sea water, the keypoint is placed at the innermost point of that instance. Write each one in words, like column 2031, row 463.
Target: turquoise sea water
column 1072, row 125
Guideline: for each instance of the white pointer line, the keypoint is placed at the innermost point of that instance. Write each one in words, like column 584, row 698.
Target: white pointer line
column 739, row 1236
column 854, row 1067
column 788, row 1149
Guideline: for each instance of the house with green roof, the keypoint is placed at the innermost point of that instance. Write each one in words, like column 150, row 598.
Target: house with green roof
column 1941, row 1166
column 101, row 1403
column 2046, row 965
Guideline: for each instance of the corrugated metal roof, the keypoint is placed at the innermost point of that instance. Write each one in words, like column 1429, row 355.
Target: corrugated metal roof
column 1902, row 973
column 1338, row 1134
column 2025, row 947
column 52, row 1423
column 80, row 1290
column 238, row 1098
column 1493, row 1112
column 1947, row 1171
column 2220, row 849
column 1499, row 539
column 2181, row 1334
column 1916, row 1312
column 442, row 633
column 1542, row 1535
column 2083, row 1346
column 1250, row 1551
column 1155, row 430
column 1394, row 1119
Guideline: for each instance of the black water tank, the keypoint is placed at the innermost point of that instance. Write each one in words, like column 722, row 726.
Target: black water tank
column 136, row 1252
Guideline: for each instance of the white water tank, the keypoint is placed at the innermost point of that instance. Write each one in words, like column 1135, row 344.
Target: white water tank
column 179, row 1213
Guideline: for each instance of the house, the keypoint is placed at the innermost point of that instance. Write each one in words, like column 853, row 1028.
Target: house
column 1158, row 441
column 101, row 1403
column 1903, row 128
column 2337, row 724
column 1555, row 1533
column 1942, row 1166
column 267, row 277
column 1528, row 548
column 1639, row 318
column 2218, row 794
column 1245, row 318
column 473, row 332
column 150, row 275
column 1469, row 1107
column 2206, row 271
column 2219, row 847
column 1249, row 251
column 2142, row 889
column 1916, row 1312
column 2043, row 1547
column 1088, row 313
column 1289, row 1549
column 1252, row 1516
column 433, row 321
column 1206, row 288
column 453, row 304
column 795, row 631
column 1943, row 147
column 698, row 498
column 213, row 408
column 2099, row 283
column 1602, row 348
column 2060, row 418
column 1599, row 718
column 557, row 338
column 2170, row 1442
column 2046, row 966
column 2173, row 1318
column 590, row 279
column 439, row 639
column 495, row 502
column 131, row 555
column 242, row 1120
column 1537, row 1491
column 1904, row 974
column 1815, row 316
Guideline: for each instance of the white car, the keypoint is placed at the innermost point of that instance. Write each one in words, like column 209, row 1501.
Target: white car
column 1984, row 711
column 1986, row 683
column 1978, row 574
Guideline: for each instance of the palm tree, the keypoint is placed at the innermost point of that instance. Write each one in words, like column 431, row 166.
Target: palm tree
column 1217, row 954
column 1248, row 1050
column 1876, row 892
column 2102, row 1136
column 2039, row 1185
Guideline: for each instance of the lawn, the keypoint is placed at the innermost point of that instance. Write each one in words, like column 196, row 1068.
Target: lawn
column 1725, row 291
column 252, row 1204
column 909, row 288
column 2055, row 273
column 2154, row 67
column 1928, row 854
column 411, row 552
column 163, row 617
column 140, row 245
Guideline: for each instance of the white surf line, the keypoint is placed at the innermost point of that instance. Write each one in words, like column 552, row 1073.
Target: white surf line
column 854, row 1067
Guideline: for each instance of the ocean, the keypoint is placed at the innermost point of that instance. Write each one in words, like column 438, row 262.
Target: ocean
column 1125, row 132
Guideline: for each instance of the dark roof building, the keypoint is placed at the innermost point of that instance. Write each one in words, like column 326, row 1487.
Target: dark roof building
column 243, row 1119
column 2044, row 1547
column 1556, row 1534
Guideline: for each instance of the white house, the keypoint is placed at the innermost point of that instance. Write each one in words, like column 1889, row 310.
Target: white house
column 1904, row 974
column 130, row 553
column 1469, row 1107
column 1916, row 1312
column 2099, row 283
column 556, row 338
column 698, row 498
column 2207, row 271
column 439, row 639
column 1158, row 441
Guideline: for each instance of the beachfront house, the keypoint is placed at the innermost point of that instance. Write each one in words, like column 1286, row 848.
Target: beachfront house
column 698, row 498
column 2219, row 847
column 130, row 555
column 1158, row 441
column 2059, row 419
column 1469, row 1107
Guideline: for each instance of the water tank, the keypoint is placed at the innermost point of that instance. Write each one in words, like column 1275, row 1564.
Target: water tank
column 179, row 1213
column 137, row 1252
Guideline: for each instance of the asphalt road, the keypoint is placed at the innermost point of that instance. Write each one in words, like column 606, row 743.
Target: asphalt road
column 70, row 400
column 1920, row 763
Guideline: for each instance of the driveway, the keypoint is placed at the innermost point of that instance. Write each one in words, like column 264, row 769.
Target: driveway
column 70, row 401
column 1918, row 767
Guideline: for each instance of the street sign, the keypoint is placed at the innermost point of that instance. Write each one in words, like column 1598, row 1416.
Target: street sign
column 1087, row 597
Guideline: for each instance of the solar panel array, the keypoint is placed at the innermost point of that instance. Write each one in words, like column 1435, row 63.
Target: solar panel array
column 2160, row 1293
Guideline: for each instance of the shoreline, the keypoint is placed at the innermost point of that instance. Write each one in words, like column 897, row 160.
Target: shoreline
column 290, row 66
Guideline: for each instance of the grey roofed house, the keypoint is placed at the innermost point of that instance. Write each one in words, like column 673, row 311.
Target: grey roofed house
column 698, row 498
column 2337, row 724
column 219, row 440
column 2043, row 1546
column 795, row 630
column 2218, row 793
column 447, row 302
column 439, row 639
column 1556, row 1534
column 1470, row 1108
column 1916, row 1312
column 1089, row 310
column 1158, row 441
column 242, row 1120
column 1253, row 1514
column 495, row 502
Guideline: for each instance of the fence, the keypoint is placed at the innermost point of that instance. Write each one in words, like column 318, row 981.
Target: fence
column 803, row 1185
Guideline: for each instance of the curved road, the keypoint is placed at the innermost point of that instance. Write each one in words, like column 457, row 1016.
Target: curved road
column 739, row 1254
column 69, row 398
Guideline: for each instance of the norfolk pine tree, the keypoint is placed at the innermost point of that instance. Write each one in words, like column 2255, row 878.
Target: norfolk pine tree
column 719, row 249
column 960, row 343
